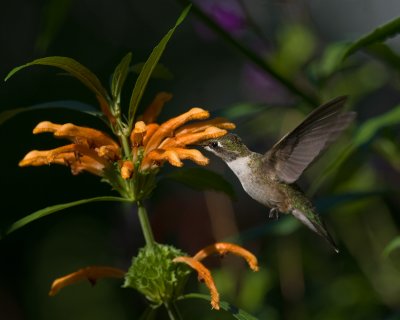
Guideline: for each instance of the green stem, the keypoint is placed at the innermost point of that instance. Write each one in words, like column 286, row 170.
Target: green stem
column 127, row 154
column 173, row 311
column 125, row 146
column 145, row 224
column 251, row 55
column 149, row 314
column 124, row 139
column 250, row 21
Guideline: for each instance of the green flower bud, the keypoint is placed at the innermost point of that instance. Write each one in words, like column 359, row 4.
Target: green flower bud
column 155, row 275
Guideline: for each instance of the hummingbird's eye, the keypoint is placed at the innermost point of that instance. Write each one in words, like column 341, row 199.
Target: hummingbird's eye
column 214, row 145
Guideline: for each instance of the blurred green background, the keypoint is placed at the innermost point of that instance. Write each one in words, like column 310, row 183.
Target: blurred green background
column 355, row 185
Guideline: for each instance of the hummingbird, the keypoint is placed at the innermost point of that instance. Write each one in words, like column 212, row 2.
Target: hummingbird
column 270, row 178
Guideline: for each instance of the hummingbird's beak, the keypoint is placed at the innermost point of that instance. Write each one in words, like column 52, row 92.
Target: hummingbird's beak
column 203, row 143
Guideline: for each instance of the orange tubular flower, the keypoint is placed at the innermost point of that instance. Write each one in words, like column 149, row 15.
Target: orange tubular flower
column 91, row 150
column 204, row 274
column 223, row 248
column 154, row 109
column 90, row 273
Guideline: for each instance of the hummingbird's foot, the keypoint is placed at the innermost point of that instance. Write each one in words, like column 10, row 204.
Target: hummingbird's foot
column 274, row 214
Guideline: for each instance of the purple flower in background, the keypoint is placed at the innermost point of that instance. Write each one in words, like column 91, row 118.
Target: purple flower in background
column 227, row 14
column 258, row 86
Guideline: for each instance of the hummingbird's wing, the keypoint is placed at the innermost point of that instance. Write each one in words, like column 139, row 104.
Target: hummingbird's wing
column 291, row 155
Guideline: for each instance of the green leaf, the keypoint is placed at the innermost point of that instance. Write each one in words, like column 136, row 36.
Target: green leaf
column 384, row 53
column 52, row 209
column 241, row 110
column 119, row 76
column 62, row 104
column 74, row 68
column 202, row 179
column 236, row 312
column 53, row 16
column 149, row 67
column 389, row 150
column 370, row 128
column 159, row 72
column 328, row 203
column 393, row 245
column 295, row 48
column 330, row 61
column 380, row 34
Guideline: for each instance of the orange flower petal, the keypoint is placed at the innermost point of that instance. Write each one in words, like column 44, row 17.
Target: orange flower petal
column 138, row 133
column 168, row 127
column 159, row 156
column 190, row 154
column 46, row 126
column 220, row 123
column 223, row 248
column 152, row 111
column 90, row 273
column 34, row 158
column 126, row 169
column 76, row 134
column 205, row 275
column 78, row 163
column 174, row 156
column 108, row 152
column 192, row 138
column 79, row 150
column 37, row 158
column 150, row 130
column 84, row 163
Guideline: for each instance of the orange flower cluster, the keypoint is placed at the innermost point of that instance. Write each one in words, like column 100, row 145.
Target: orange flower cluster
column 168, row 141
column 151, row 144
column 91, row 150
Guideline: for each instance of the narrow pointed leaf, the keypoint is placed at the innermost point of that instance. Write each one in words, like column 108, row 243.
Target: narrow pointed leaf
column 53, row 17
column 384, row 53
column 236, row 312
column 52, row 209
column 149, row 67
column 159, row 72
column 119, row 76
column 370, row 128
column 380, row 34
column 393, row 245
column 62, row 104
column 73, row 67
column 202, row 179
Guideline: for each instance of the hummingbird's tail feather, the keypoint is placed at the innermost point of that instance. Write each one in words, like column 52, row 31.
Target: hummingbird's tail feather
column 316, row 225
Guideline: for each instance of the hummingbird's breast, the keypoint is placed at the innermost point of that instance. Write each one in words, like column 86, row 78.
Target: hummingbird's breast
column 257, row 182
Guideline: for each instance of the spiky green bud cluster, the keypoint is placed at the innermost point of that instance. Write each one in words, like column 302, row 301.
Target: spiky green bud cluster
column 155, row 275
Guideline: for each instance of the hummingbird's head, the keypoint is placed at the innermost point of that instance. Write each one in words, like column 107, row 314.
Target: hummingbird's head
column 228, row 147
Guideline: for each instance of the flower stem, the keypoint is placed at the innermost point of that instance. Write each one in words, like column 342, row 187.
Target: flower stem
column 145, row 224
column 173, row 311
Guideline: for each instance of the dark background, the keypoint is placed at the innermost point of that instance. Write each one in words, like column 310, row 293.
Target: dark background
column 300, row 277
